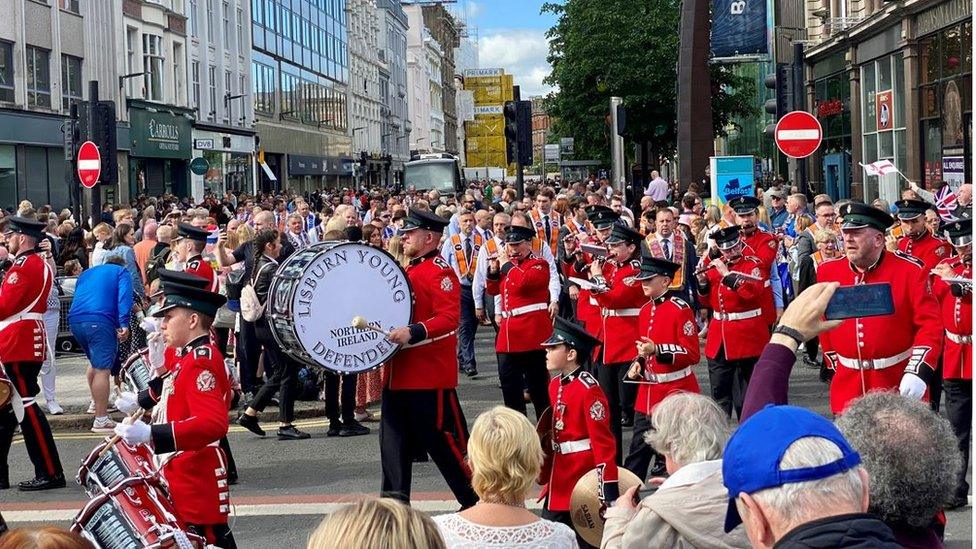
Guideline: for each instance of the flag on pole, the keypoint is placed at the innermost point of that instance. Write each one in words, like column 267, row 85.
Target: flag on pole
column 879, row 168
column 946, row 203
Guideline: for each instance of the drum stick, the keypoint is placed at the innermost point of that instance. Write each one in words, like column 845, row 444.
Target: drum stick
column 111, row 443
column 360, row 322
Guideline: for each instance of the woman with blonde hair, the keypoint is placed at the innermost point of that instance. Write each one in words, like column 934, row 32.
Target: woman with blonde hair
column 47, row 537
column 376, row 524
column 505, row 457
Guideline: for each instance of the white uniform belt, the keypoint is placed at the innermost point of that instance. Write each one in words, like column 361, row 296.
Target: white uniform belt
column 737, row 316
column 572, row 446
column 525, row 309
column 6, row 323
column 876, row 363
column 669, row 376
column 594, row 302
column 621, row 312
column 959, row 338
column 431, row 340
column 767, row 284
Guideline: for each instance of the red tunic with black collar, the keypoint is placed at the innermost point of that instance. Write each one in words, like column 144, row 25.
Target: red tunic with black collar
column 738, row 324
column 670, row 324
column 524, row 289
column 200, row 267
column 956, row 301
column 23, row 301
column 587, row 308
column 927, row 248
column 765, row 247
column 619, row 307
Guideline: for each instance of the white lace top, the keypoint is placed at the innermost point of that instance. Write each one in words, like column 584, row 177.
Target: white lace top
column 460, row 533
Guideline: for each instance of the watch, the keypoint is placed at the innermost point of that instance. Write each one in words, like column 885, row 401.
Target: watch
column 791, row 333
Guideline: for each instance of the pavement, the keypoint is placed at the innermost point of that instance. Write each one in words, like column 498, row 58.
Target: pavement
column 286, row 487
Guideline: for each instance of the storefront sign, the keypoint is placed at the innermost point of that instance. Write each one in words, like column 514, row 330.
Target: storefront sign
column 159, row 134
column 488, row 109
column 954, row 171
column 738, row 28
column 551, row 154
column 319, row 165
column 829, row 107
column 883, row 111
column 199, row 165
column 203, row 144
column 483, row 72
column 942, row 15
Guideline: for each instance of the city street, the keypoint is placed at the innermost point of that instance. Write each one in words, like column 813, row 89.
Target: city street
column 286, row 487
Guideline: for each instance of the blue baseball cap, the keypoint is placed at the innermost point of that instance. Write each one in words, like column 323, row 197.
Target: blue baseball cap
column 751, row 459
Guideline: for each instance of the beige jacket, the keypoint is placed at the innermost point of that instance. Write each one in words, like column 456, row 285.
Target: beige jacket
column 687, row 511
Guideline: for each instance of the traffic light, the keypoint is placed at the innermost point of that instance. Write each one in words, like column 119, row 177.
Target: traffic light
column 781, row 82
column 524, row 136
column 511, row 131
column 101, row 132
column 622, row 121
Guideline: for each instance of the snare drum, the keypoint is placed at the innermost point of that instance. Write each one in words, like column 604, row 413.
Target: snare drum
column 136, row 372
column 316, row 293
column 132, row 514
column 6, row 388
column 100, row 474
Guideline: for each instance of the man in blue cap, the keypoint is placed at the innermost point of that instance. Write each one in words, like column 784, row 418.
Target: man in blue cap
column 794, row 481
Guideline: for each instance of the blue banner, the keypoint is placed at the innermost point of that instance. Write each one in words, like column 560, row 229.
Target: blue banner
column 738, row 27
column 732, row 176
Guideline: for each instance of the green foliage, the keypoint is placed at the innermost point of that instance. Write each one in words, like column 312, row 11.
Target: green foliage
column 625, row 48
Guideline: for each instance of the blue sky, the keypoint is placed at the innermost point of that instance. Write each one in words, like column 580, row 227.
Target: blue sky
column 511, row 35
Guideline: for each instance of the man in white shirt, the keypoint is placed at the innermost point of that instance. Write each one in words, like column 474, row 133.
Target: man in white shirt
column 485, row 306
column 294, row 230
column 657, row 189
column 461, row 251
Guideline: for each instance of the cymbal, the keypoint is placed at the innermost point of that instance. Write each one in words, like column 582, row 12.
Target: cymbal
column 585, row 506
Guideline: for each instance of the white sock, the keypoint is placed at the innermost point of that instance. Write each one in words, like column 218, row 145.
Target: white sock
column 101, row 420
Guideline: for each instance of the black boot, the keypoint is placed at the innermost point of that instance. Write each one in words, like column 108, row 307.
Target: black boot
column 290, row 432
column 353, row 428
column 335, row 428
column 43, row 483
column 251, row 424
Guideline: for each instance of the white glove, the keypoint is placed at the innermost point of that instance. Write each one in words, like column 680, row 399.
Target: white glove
column 137, row 433
column 156, row 344
column 912, row 386
column 127, row 403
column 150, row 325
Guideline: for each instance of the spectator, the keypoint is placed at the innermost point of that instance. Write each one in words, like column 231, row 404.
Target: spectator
column 103, row 237
column 99, row 319
column 794, row 481
column 376, row 524
column 505, row 457
column 72, row 267
column 796, row 206
column 123, row 238
column 143, row 249
column 73, row 248
column 47, row 537
column 689, row 507
column 777, row 210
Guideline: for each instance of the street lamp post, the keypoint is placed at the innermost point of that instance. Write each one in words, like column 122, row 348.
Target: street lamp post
column 359, row 177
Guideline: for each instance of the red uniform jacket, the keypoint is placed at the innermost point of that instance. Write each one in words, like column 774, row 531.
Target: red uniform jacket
column 200, row 267
column 913, row 334
column 190, row 418
column 764, row 246
column 581, row 425
column 619, row 309
column 587, row 309
column 927, row 248
column 957, row 317
column 429, row 361
column 747, row 332
column 670, row 324
column 23, row 300
column 522, row 285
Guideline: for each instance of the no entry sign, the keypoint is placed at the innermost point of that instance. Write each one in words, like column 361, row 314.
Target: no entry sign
column 798, row 134
column 89, row 164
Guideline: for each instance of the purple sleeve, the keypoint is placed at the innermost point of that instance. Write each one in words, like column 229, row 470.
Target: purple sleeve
column 770, row 379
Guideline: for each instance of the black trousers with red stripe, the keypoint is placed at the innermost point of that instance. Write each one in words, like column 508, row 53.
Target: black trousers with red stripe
column 424, row 421
column 37, row 433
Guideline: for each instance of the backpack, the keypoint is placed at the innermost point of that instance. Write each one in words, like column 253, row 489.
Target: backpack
column 156, row 261
column 251, row 307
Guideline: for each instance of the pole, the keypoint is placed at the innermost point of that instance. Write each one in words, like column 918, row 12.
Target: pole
column 799, row 103
column 616, row 148
column 70, row 146
column 87, row 195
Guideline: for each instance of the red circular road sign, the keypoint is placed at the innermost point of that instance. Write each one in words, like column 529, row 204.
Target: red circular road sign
column 798, row 134
column 89, row 164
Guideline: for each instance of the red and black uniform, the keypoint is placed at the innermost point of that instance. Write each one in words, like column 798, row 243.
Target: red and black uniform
column 738, row 331
column 420, row 411
column 929, row 249
column 670, row 323
column 956, row 301
column 189, row 418
column 765, row 247
column 524, row 289
column 577, row 265
column 581, row 440
column 875, row 352
column 23, row 346
column 198, row 266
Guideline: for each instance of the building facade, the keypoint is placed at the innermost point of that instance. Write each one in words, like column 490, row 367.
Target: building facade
column 365, row 98
column 540, row 132
column 299, row 76
column 395, row 120
column 425, row 95
column 445, row 29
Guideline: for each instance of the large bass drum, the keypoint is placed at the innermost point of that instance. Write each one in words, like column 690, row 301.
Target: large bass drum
column 317, row 291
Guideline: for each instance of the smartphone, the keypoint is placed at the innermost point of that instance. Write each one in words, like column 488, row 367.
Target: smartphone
column 861, row 300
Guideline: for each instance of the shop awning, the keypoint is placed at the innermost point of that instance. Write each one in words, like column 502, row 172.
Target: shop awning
column 268, row 172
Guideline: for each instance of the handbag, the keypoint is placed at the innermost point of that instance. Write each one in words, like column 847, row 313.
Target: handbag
column 251, row 307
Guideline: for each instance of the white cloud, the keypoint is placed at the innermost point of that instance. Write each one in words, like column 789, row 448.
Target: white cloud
column 521, row 52
column 471, row 10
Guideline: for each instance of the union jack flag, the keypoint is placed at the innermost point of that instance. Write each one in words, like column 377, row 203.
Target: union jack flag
column 946, row 203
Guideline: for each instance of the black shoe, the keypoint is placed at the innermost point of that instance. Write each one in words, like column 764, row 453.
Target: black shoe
column 353, row 429
column 231, row 477
column 335, row 428
column 251, row 424
column 42, row 483
column 956, row 502
column 292, row 433
column 471, row 372
column 627, row 422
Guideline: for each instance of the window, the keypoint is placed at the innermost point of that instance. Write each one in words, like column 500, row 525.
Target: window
column 227, row 91
column 70, row 81
column 69, row 5
column 212, row 81
column 131, row 39
column 240, row 30
column 263, row 81
column 38, row 77
column 195, row 78
column 193, row 18
column 210, row 20
column 152, row 64
column 226, row 15
column 241, row 83
column 6, row 72
column 178, row 73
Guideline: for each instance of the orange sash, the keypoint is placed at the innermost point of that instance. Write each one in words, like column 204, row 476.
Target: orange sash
column 540, row 229
column 677, row 256
column 464, row 269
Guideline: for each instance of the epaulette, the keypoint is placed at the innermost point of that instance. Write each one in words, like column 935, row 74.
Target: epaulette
column 203, row 351
column 635, row 263
column 587, row 379
column 752, row 258
column 439, row 261
column 912, row 259
column 20, row 260
column 195, row 264
column 680, row 302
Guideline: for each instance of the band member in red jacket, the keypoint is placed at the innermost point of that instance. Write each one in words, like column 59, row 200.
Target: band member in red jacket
column 956, row 300
column 581, row 436
column 916, row 239
column 760, row 244
column 667, row 344
column 421, row 412
column 576, row 263
column 189, row 418
column 896, row 351
column 732, row 287
column 191, row 242
column 522, row 281
column 23, row 345
column 620, row 298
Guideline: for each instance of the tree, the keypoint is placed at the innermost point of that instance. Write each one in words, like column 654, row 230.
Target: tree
column 629, row 49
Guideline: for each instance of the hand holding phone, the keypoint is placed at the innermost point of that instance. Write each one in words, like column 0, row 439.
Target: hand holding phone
column 861, row 300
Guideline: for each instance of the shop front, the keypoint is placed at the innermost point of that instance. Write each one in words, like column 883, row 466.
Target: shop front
column 32, row 161
column 832, row 107
column 160, row 149
column 229, row 160
column 310, row 173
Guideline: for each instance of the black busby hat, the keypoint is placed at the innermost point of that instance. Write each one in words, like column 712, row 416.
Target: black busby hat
column 423, row 219
column 854, row 215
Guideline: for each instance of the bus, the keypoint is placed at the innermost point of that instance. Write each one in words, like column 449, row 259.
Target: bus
column 440, row 171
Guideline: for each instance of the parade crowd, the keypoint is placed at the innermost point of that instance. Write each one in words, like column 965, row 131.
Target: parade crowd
column 601, row 306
